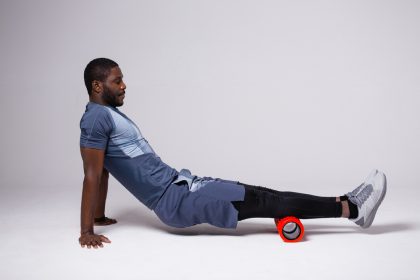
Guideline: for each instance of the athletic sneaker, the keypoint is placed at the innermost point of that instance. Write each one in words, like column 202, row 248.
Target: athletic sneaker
column 368, row 198
column 368, row 179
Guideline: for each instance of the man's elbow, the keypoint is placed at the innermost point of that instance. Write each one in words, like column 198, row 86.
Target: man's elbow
column 92, row 179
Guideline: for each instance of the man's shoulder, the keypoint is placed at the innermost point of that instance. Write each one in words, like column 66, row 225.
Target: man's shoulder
column 95, row 109
column 96, row 126
column 96, row 114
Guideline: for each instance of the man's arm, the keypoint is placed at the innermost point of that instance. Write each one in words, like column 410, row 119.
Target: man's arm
column 93, row 165
column 100, row 218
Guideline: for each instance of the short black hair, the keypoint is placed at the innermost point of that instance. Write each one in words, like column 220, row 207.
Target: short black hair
column 98, row 69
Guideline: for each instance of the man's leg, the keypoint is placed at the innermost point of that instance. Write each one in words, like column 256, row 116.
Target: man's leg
column 293, row 194
column 262, row 202
column 360, row 205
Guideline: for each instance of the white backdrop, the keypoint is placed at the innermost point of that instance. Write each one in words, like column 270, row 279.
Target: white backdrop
column 300, row 95
column 271, row 92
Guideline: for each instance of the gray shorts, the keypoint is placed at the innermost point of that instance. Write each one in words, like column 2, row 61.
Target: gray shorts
column 211, row 203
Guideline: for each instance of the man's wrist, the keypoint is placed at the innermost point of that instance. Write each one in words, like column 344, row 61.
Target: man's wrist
column 87, row 231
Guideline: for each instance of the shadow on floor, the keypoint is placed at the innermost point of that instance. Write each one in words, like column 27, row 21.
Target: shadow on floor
column 144, row 219
column 314, row 229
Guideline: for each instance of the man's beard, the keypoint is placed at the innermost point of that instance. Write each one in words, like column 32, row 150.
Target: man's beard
column 110, row 98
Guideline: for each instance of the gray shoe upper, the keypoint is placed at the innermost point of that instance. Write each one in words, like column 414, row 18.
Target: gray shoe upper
column 361, row 196
column 355, row 191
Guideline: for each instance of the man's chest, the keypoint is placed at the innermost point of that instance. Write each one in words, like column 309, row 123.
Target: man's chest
column 124, row 129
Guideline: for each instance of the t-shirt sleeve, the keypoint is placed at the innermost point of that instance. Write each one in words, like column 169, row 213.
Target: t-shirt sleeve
column 95, row 129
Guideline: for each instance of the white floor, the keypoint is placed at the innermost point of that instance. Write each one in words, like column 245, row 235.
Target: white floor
column 40, row 229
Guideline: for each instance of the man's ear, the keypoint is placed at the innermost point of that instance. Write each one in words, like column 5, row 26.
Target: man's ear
column 97, row 86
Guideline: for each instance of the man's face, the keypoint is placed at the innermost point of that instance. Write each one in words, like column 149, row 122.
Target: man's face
column 114, row 88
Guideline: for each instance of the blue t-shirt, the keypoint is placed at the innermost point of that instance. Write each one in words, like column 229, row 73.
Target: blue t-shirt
column 128, row 155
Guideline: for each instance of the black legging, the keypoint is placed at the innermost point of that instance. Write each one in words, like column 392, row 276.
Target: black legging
column 262, row 202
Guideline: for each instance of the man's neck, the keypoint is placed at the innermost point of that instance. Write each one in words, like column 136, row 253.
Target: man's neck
column 97, row 101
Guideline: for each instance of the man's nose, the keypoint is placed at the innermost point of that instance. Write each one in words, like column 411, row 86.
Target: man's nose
column 123, row 86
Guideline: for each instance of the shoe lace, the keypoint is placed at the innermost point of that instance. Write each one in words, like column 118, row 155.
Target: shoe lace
column 355, row 191
column 362, row 196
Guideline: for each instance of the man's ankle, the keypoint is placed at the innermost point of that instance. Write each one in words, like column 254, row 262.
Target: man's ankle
column 345, row 213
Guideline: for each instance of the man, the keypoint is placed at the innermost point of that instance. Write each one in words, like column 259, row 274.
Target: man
column 111, row 143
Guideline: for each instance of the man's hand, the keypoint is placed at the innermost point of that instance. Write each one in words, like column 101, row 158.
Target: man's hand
column 92, row 240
